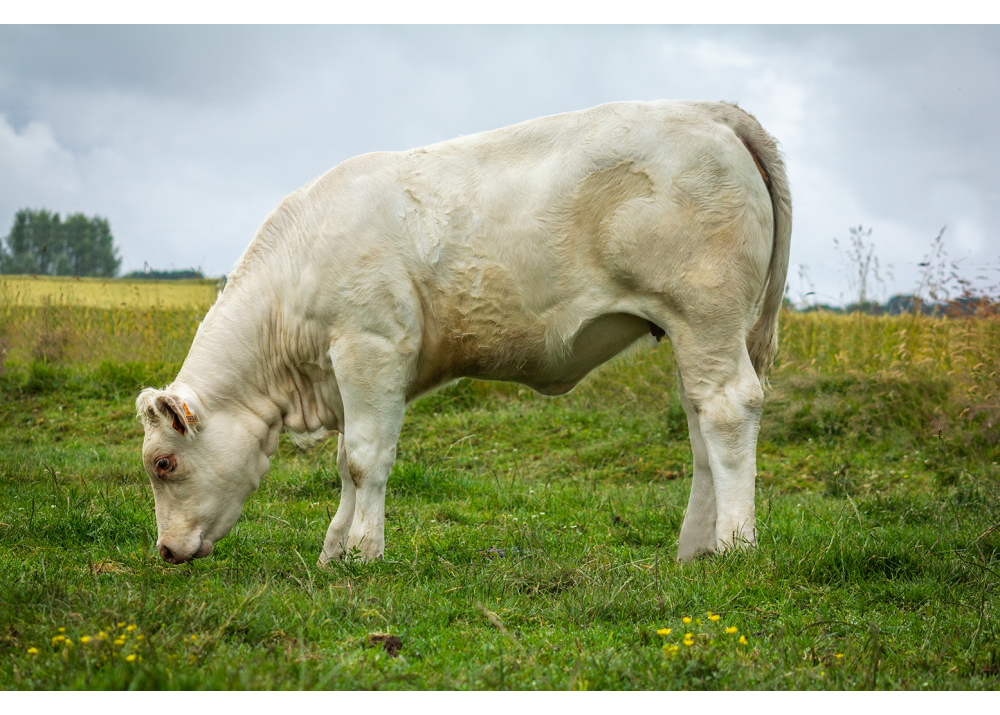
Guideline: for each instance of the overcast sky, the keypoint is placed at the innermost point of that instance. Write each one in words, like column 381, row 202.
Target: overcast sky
column 186, row 137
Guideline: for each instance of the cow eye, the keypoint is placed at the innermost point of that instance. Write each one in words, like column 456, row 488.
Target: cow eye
column 165, row 465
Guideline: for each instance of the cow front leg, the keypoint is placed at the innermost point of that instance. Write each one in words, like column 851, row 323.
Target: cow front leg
column 369, row 462
column 335, row 543
column 370, row 377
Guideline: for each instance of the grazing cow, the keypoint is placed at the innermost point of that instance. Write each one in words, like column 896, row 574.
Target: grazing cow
column 531, row 254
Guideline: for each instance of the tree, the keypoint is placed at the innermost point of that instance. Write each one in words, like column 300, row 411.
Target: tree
column 40, row 243
column 90, row 247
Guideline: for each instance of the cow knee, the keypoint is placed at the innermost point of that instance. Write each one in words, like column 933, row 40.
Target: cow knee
column 732, row 413
column 368, row 466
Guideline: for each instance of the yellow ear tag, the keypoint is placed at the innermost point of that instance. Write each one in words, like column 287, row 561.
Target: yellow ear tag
column 188, row 417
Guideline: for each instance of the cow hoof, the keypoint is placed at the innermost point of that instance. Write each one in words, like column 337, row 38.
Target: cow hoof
column 699, row 554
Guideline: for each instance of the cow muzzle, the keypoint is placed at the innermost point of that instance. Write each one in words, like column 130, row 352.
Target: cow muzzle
column 181, row 551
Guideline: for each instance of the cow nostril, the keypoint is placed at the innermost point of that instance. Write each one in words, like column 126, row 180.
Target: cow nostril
column 167, row 554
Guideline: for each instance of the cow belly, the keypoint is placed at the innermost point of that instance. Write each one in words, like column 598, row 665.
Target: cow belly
column 595, row 343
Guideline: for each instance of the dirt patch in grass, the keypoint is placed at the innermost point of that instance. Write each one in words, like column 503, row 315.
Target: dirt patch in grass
column 390, row 643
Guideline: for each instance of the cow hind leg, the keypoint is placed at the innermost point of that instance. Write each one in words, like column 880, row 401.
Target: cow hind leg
column 698, row 531
column 722, row 397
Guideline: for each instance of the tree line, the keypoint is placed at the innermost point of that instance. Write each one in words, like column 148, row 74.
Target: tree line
column 41, row 243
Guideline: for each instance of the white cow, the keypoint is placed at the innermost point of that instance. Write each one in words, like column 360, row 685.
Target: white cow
column 531, row 254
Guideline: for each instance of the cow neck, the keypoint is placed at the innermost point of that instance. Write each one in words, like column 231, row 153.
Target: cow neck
column 226, row 362
column 294, row 373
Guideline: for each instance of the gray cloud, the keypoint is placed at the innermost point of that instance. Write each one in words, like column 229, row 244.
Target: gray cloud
column 185, row 137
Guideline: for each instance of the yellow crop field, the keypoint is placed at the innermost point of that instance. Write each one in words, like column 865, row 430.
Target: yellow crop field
column 39, row 291
column 86, row 321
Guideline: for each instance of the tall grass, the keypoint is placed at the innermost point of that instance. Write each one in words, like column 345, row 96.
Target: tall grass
column 936, row 377
column 72, row 321
column 967, row 347
column 73, row 335
column 146, row 320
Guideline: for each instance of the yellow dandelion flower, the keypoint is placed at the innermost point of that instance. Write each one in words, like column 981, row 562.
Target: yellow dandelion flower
column 139, row 637
column 686, row 620
column 713, row 618
column 664, row 632
column 132, row 627
column 69, row 642
column 57, row 639
column 743, row 640
column 85, row 640
column 130, row 657
column 102, row 636
column 732, row 629
column 688, row 642
column 840, row 655
column 32, row 651
column 193, row 636
column 62, row 629
column 688, row 636
column 121, row 624
column 697, row 621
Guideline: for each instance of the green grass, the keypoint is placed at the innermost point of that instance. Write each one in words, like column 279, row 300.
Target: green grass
column 530, row 541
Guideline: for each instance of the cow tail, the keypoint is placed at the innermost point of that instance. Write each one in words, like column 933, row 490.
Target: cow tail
column 762, row 340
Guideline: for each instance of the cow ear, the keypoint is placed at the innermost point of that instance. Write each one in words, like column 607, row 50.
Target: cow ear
column 180, row 414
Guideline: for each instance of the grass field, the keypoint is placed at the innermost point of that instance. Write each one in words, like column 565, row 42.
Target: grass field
column 530, row 541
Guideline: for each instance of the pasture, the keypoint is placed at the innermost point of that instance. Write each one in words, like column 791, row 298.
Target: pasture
column 530, row 541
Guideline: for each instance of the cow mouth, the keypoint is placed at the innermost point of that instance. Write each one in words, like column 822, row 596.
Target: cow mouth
column 172, row 557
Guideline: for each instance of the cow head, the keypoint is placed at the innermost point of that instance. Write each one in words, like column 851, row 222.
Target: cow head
column 202, row 466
